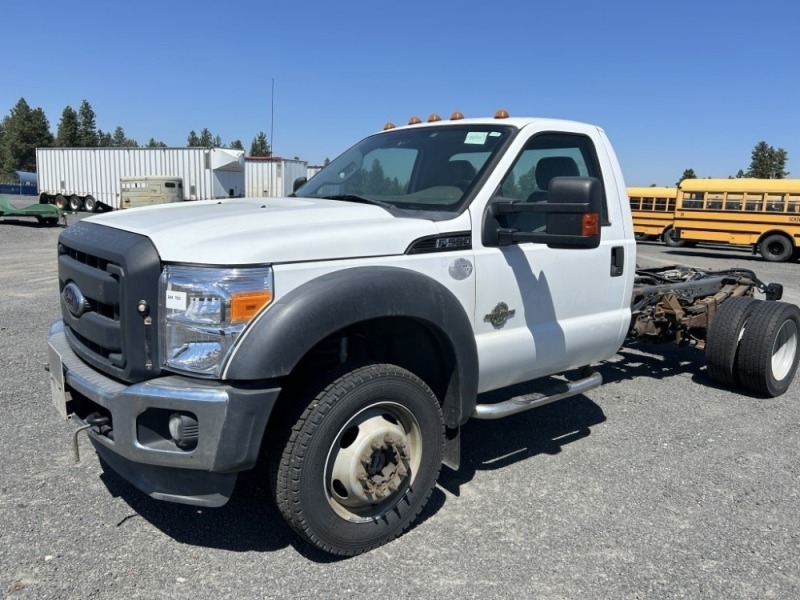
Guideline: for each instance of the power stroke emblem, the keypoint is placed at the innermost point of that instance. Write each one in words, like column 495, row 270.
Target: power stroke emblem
column 74, row 299
column 499, row 315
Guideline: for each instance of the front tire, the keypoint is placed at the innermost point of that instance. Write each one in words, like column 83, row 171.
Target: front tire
column 361, row 460
column 670, row 239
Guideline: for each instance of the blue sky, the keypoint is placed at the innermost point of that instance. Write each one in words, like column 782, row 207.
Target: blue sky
column 676, row 84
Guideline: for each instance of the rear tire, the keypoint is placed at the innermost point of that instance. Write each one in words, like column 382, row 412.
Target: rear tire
column 358, row 465
column 60, row 202
column 75, row 203
column 89, row 204
column 776, row 248
column 670, row 240
column 768, row 352
column 724, row 335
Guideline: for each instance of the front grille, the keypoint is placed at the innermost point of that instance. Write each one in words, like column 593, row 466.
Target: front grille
column 111, row 272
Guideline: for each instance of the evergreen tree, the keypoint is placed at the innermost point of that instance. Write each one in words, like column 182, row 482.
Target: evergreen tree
column 767, row 162
column 205, row 138
column 687, row 174
column 67, row 135
column 24, row 130
column 217, row 142
column 152, row 143
column 192, row 141
column 236, row 145
column 87, row 128
column 260, row 147
column 119, row 139
column 104, row 139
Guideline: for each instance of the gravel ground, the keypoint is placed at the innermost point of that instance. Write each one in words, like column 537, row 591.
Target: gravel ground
column 655, row 485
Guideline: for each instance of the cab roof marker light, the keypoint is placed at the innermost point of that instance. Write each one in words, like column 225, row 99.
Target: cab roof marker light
column 456, row 116
column 388, row 126
column 433, row 118
column 501, row 114
column 414, row 121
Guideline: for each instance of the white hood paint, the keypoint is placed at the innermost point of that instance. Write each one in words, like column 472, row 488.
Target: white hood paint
column 268, row 230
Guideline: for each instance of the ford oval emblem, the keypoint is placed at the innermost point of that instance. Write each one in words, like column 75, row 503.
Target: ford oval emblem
column 74, row 299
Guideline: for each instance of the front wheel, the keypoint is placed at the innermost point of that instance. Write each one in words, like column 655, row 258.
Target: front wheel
column 671, row 239
column 361, row 460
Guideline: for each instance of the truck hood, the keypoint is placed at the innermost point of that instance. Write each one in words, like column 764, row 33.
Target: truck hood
column 268, row 230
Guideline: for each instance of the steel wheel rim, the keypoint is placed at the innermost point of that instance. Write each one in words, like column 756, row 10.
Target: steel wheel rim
column 784, row 350
column 373, row 462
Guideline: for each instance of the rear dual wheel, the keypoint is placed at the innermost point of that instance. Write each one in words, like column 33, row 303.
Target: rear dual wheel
column 754, row 344
column 358, row 465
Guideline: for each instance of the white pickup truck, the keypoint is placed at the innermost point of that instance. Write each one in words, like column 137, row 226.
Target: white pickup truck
column 345, row 333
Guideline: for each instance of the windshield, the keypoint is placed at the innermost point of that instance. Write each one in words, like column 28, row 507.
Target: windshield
column 428, row 169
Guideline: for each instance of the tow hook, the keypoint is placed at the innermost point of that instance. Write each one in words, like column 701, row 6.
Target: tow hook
column 92, row 420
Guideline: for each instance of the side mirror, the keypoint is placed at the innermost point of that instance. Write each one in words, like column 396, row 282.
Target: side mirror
column 572, row 213
column 298, row 183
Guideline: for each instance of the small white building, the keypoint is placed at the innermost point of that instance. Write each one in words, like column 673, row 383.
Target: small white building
column 272, row 176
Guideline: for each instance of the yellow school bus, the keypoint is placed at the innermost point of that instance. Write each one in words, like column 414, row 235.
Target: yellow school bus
column 761, row 213
column 652, row 209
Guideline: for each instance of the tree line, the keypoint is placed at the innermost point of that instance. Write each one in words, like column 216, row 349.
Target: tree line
column 25, row 128
column 766, row 162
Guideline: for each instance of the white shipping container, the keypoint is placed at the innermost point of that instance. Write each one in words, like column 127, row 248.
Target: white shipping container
column 272, row 177
column 206, row 172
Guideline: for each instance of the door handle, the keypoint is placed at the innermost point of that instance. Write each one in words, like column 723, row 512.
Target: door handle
column 617, row 261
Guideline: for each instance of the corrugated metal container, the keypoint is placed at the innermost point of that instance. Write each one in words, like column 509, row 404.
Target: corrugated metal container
column 272, row 177
column 312, row 170
column 206, row 172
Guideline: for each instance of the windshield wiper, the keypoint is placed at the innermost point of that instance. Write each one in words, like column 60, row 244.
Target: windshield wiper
column 360, row 200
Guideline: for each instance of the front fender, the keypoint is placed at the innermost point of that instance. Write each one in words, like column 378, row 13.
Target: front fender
column 274, row 344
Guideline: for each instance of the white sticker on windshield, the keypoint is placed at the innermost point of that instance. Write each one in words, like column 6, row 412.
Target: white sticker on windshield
column 176, row 300
column 476, row 137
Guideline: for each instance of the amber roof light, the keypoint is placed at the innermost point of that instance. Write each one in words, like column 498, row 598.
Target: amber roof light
column 501, row 114
column 456, row 116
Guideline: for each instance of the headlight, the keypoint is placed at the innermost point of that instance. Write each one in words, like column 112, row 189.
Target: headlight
column 203, row 310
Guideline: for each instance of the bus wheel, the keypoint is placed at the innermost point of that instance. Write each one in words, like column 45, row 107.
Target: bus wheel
column 671, row 239
column 767, row 358
column 640, row 237
column 776, row 248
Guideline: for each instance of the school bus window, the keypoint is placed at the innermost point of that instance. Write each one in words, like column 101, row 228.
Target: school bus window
column 714, row 202
column 636, row 202
column 661, row 204
column 693, row 200
column 671, row 205
column 647, row 204
column 734, row 201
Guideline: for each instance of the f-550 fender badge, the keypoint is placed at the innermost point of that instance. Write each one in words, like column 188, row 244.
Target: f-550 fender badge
column 499, row 315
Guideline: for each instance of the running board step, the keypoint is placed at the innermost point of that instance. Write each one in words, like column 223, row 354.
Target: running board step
column 590, row 380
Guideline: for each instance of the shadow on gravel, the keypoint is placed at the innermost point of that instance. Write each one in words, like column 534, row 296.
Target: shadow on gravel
column 737, row 254
column 495, row 444
column 251, row 522
column 27, row 223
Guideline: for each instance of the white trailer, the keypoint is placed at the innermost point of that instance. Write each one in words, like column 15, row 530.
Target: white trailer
column 272, row 177
column 89, row 178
